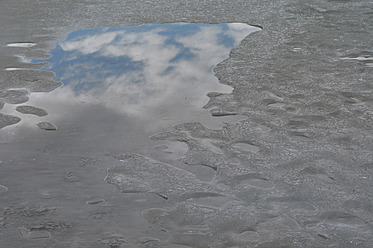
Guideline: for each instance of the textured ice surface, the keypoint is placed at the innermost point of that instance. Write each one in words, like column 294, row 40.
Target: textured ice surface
column 140, row 174
column 24, row 109
column 14, row 96
column 47, row 126
column 202, row 226
column 7, row 120
column 32, row 80
column 35, row 234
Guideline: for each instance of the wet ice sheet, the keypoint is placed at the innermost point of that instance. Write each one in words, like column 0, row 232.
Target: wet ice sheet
column 306, row 83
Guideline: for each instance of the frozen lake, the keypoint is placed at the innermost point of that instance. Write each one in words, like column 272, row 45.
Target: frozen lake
column 178, row 125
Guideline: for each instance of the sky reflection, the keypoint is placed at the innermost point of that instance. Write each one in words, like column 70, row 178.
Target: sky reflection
column 160, row 71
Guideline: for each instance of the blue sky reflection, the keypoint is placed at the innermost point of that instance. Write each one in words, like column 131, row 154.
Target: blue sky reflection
column 139, row 70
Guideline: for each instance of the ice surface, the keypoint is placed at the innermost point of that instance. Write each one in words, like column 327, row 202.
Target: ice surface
column 3, row 188
column 47, row 126
column 294, row 158
column 7, row 120
column 140, row 174
column 24, row 109
column 14, row 96
column 201, row 226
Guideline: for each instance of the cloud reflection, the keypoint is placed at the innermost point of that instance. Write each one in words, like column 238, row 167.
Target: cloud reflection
column 146, row 70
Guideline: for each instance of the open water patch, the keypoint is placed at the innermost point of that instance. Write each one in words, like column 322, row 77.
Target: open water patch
column 158, row 72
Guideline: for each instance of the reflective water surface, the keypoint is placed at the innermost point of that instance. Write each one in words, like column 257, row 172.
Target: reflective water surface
column 156, row 73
